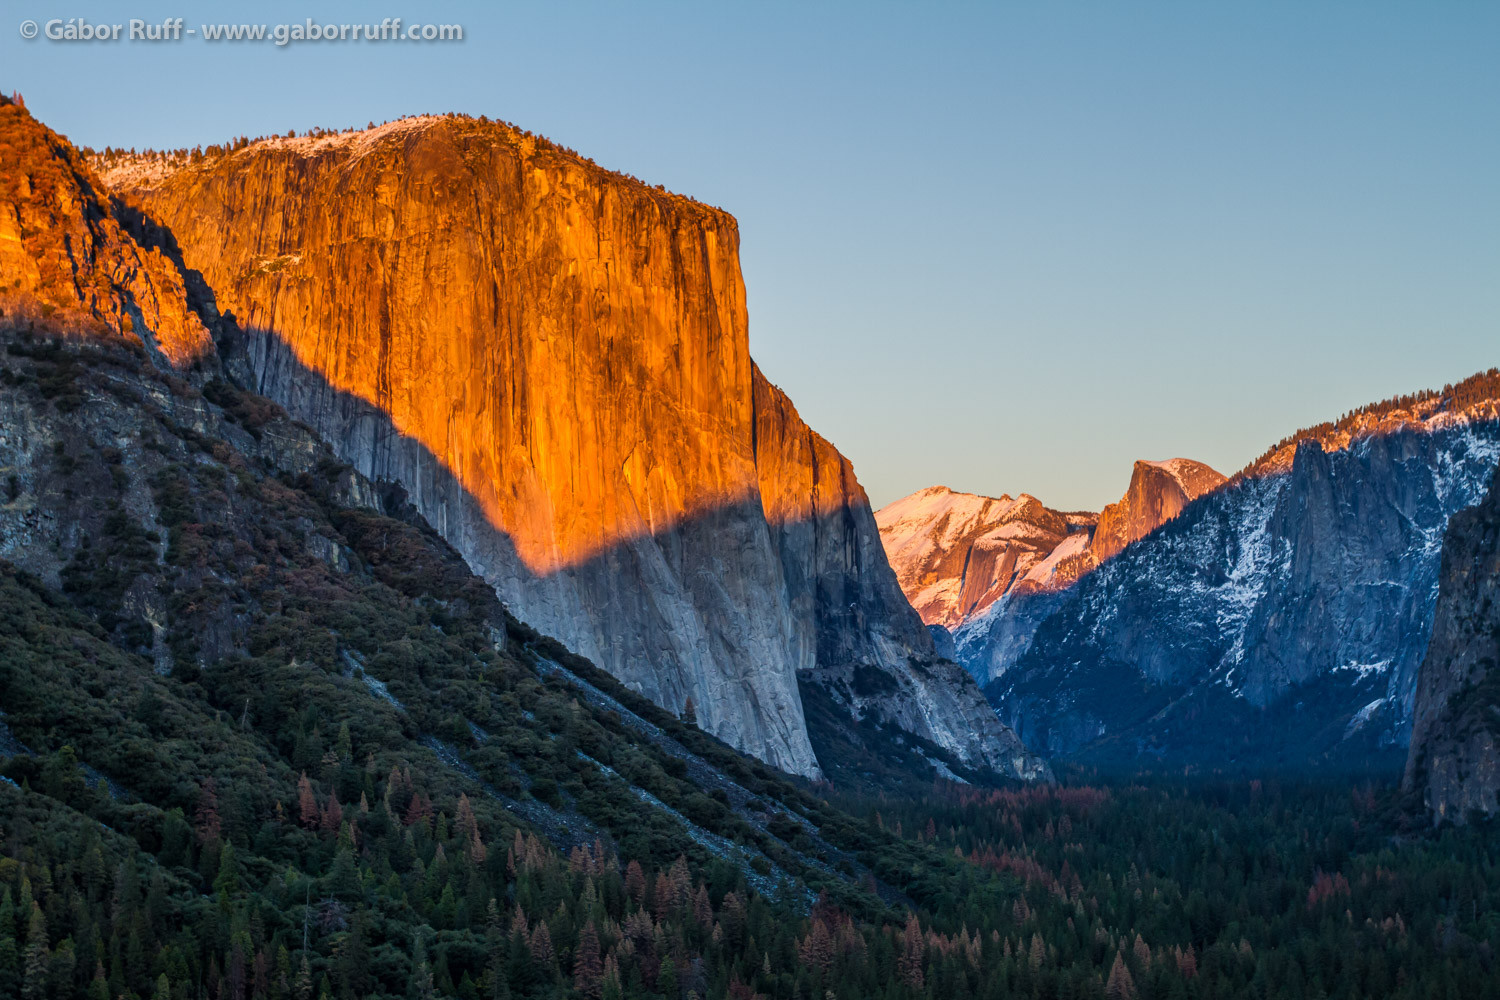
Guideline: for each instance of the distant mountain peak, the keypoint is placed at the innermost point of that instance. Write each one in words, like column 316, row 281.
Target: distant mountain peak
column 1276, row 617
column 1158, row 492
column 957, row 554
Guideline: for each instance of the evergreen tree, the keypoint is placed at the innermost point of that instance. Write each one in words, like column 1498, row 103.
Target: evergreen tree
column 34, row 984
column 1120, row 985
column 588, row 968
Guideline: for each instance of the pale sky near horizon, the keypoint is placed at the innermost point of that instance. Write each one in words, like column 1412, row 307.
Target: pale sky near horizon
column 1005, row 247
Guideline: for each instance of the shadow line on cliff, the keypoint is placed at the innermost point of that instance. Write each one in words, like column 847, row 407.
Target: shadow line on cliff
column 740, row 574
column 261, row 360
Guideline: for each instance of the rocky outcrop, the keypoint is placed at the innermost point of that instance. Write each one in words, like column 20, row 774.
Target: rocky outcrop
column 1277, row 621
column 849, row 614
column 68, row 266
column 955, row 554
column 553, row 361
column 987, row 570
column 107, row 365
column 1454, row 762
column 1157, row 493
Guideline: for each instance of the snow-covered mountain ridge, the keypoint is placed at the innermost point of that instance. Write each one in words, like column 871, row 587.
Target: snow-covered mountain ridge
column 957, row 554
column 1278, row 619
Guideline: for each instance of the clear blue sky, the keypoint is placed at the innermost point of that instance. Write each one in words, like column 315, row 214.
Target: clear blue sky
column 1005, row 247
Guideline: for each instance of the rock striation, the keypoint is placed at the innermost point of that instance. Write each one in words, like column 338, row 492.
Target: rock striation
column 552, row 360
column 1454, row 762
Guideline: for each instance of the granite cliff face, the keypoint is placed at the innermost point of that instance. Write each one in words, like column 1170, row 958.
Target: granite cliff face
column 1157, row 493
column 858, row 641
column 1454, row 762
column 552, row 360
column 67, row 263
column 1279, row 619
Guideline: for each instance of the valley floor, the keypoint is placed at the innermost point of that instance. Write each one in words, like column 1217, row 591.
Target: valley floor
column 1147, row 889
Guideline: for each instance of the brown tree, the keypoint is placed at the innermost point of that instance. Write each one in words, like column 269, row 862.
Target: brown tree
column 588, row 967
column 333, row 814
column 307, row 803
column 909, row 963
column 208, row 823
column 1120, row 986
column 635, row 882
column 419, row 810
column 540, row 945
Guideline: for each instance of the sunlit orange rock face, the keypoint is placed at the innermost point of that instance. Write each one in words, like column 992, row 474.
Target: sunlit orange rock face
column 534, row 322
column 67, row 265
column 553, row 360
column 1158, row 492
column 958, row 554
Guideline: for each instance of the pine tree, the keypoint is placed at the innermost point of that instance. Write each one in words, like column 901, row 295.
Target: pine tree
column 469, row 826
column 612, row 988
column 419, row 810
column 333, row 814
column 913, row 950
column 307, row 803
column 588, row 969
column 703, row 911
column 666, row 979
column 541, row 945
column 34, row 983
column 1142, row 952
column 209, row 824
column 303, row 987
column 227, row 881
column 635, row 881
column 422, row 987
column 1120, row 985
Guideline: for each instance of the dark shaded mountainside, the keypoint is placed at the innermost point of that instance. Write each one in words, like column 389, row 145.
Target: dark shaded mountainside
column 1276, row 623
column 553, row 362
column 263, row 732
column 1454, row 763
